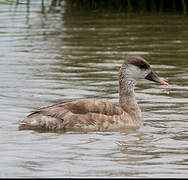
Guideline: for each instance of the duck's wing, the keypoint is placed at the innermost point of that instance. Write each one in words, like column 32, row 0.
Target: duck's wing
column 84, row 106
column 75, row 114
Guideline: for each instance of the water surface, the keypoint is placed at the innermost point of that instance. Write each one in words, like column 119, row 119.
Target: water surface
column 52, row 56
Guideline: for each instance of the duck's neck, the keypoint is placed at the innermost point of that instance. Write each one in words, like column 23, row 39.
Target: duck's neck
column 127, row 98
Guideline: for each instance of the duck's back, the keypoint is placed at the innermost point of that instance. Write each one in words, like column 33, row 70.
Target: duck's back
column 86, row 114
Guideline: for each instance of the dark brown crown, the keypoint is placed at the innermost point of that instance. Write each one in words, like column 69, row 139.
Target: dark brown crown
column 137, row 61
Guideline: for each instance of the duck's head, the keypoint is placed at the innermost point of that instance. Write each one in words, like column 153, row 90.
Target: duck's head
column 136, row 68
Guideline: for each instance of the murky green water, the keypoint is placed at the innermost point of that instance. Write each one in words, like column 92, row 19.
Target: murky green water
column 47, row 57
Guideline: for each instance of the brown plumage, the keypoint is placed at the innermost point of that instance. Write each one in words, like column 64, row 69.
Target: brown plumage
column 97, row 115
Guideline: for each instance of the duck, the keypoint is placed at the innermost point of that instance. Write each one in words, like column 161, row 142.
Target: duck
column 97, row 115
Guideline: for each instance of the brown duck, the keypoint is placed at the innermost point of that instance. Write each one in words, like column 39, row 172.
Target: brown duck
column 97, row 115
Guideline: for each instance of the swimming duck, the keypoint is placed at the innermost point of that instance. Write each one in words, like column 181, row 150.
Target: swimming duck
column 97, row 115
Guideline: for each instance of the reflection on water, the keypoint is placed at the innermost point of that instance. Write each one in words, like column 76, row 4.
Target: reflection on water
column 50, row 56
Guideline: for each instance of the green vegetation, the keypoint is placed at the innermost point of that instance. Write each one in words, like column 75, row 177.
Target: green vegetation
column 118, row 5
column 129, row 5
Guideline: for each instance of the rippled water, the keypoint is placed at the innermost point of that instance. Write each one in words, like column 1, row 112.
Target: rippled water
column 49, row 56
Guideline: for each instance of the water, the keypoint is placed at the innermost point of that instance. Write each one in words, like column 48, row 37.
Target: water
column 50, row 56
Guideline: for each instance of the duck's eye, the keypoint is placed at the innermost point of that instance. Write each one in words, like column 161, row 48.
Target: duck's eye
column 143, row 66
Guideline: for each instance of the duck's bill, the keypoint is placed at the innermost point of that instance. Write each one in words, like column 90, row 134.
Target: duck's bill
column 153, row 77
